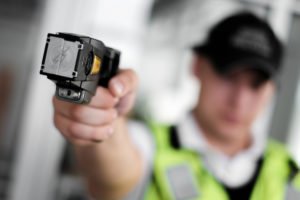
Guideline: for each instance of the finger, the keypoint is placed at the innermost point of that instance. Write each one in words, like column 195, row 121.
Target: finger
column 126, row 103
column 123, row 83
column 61, row 124
column 89, row 116
column 61, row 106
column 103, row 99
column 84, row 114
column 83, row 143
column 66, row 108
column 76, row 131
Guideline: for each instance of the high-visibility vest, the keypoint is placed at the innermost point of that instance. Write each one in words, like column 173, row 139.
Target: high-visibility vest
column 179, row 174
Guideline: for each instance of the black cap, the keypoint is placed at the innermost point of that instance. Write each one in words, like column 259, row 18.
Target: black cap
column 243, row 40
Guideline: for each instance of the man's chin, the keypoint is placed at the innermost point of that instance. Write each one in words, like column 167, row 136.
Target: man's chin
column 231, row 134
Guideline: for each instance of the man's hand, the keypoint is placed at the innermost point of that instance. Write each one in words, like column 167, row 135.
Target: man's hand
column 113, row 167
column 95, row 122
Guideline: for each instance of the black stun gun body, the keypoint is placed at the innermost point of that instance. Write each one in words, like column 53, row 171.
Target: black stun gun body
column 78, row 64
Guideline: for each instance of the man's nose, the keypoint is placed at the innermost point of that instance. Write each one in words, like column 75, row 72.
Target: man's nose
column 241, row 97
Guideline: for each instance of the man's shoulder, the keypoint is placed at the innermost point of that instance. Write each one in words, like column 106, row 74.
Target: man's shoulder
column 279, row 151
column 275, row 147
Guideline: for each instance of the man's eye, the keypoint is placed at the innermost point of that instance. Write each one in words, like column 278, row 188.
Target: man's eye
column 227, row 78
column 258, row 83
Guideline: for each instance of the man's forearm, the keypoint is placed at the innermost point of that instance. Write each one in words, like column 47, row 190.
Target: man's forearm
column 113, row 167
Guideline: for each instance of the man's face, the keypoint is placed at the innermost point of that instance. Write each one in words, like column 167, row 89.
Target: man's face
column 228, row 104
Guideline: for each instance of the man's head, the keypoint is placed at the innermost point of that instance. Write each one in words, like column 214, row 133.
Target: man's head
column 236, row 68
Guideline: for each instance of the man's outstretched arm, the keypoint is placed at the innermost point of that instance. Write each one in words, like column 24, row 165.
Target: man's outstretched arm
column 108, row 160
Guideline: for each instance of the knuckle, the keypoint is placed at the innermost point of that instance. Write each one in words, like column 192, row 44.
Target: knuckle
column 100, row 133
column 73, row 129
column 100, row 91
column 59, row 125
column 132, row 75
column 55, row 103
column 112, row 114
column 103, row 97
column 97, row 134
column 56, row 121
column 130, row 79
column 107, row 99
column 54, row 100
column 82, row 143
column 77, row 112
column 126, row 77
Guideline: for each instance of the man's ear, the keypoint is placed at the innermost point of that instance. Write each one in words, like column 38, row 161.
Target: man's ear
column 197, row 66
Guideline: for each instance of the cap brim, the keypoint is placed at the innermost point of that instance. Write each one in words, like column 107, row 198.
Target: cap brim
column 252, row 64
column 201, row 49
column 229, row 65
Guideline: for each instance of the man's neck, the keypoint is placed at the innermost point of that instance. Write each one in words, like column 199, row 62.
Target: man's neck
column 229, row 147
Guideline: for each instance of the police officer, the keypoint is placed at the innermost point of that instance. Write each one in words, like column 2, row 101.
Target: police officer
column 212, row 154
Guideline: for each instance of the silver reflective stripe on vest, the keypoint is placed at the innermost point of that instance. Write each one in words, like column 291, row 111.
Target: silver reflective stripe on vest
column 182, row 183
column 292, row 193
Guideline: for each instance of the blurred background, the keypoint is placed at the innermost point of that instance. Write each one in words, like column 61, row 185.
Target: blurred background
column 155, row 37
